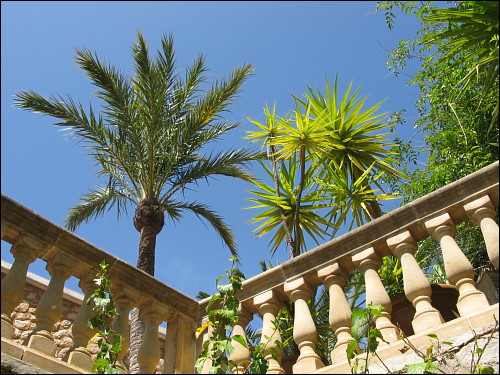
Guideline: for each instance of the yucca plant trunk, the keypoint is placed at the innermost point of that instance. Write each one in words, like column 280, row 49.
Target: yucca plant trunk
column 148, row 220
column 296, row 218
column 272, row 157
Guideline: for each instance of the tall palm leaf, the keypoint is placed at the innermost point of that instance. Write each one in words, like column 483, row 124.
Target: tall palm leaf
column 148, row 139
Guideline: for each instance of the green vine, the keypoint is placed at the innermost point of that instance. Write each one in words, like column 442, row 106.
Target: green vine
column 110, row 342
column 218, row 348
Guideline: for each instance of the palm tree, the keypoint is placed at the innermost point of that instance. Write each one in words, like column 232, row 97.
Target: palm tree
column 148, row 141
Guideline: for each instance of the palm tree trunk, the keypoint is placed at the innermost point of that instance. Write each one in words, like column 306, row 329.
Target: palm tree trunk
column 148, row 220
column 147, row 246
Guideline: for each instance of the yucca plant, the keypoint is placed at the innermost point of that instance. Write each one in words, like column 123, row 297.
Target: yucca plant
column 355, row 143
column 323, row 158
column 147, row 142
column 331, row 145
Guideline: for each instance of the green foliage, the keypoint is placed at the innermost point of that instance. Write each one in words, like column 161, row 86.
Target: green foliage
column 223, row 313
column 365, row 335
column 457, row 51
column 110, row 342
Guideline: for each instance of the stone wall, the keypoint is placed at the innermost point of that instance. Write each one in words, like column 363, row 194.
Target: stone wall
column 24, row 319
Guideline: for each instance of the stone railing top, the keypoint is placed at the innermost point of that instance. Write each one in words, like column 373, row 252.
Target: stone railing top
column 22, row 220
column 411, row 217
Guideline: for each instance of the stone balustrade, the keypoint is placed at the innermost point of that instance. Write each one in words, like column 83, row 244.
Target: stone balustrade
column 32, row 236
column 473, row 198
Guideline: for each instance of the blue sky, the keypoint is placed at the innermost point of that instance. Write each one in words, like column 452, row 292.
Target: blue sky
column 290, row 45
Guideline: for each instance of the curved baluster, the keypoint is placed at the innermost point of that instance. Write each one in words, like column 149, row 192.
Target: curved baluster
column 25, row 251
column 482, row 213
column 457, row 267
column 49, row 309
column 241, row 355
column 149, row 352
column 82, row 333
column 125, row 298
column 206, row 336
column 179, row 345
column 305, row 334
column 334, row 278
column 416, row 286
column 269, row 306
column 368, row 262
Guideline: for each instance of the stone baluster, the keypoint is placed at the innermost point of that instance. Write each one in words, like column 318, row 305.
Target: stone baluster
column 199, row 347
column 368, row 262
column 459, row 270
column 417, row 288
column 49, row 309
column 482, row 213
column 179, row 345
column 305, row 334
column 25, row 251
column 149, row 352
column 124, row 297
column 241, row 355
column 334, row 278
column 268, row 305
column 81, row 330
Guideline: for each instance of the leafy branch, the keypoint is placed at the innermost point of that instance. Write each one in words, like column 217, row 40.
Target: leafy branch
column 110, row 342
column 218, row 348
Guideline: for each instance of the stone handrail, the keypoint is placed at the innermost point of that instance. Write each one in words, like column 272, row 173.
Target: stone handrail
column 473, row 198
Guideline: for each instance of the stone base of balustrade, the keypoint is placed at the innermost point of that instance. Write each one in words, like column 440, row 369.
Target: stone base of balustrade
column 42, row 342
column 308, row 364
column 81, row 359
column 50, row 364
column 38, row 359
column 449, row 329
column 11, row 348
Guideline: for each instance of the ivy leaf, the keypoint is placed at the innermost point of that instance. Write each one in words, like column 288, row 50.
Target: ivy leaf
column 240, row 340
column 101, row 303
column 351, row 349
column 417, row 368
